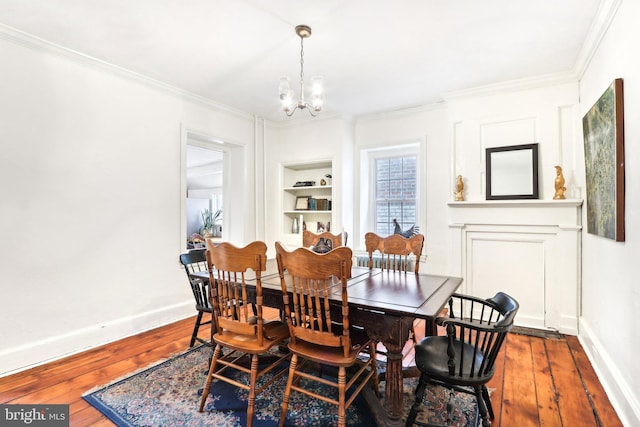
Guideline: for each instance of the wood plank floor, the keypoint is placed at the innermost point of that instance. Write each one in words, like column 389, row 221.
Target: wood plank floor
column 539, row 381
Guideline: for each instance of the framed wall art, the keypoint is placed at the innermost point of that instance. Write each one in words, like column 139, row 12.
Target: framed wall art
column 512, row 172
column 603, row 132
column 302, row 203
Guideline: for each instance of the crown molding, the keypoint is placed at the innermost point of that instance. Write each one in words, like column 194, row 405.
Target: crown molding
column 599, row 27
column 514, row 85
column 30, row 41
column 401, row 112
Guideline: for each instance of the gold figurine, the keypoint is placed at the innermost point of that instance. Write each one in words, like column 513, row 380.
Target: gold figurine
column 559, row 183
column 459, row 189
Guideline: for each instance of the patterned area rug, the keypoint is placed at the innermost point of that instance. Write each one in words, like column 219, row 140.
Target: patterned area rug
column 168, row 394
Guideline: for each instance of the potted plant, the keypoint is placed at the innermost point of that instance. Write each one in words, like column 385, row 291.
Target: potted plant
column 209, row 220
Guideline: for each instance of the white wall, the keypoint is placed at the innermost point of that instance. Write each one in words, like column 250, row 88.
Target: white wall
column 428, row 127
column 90, row 179
column 610, row 324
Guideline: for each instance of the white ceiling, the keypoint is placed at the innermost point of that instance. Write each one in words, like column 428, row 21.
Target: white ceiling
column 204, row 167
column 374, row 55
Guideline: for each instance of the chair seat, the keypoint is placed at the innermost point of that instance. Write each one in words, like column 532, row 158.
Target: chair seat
column 274, row 331
column 432, row 360
column 333, row 356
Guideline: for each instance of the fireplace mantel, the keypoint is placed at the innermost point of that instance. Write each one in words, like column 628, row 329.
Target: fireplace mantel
column 517, row 203
column 529, row 249
column 563, row 213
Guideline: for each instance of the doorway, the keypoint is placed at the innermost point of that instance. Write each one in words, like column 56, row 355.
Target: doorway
column 217, row 174
column 204, row 174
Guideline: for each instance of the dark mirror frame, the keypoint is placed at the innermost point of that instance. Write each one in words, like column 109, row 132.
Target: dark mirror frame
column 531, row 190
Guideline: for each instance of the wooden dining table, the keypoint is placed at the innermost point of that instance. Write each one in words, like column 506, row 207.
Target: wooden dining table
column 385, row 303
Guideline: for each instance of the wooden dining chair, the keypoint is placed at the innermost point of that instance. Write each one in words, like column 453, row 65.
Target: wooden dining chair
column 464, row 359
column 195, row 261
column 320, row 335
column 395, row 253
column 246, row 335
column 311, row 240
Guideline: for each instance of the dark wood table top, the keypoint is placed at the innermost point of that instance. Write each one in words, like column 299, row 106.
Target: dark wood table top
column 396, row 293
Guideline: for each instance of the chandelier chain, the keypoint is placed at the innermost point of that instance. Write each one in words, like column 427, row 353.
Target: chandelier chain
column 302, row 68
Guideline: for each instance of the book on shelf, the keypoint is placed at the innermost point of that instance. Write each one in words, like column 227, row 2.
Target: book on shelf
column 312, row 204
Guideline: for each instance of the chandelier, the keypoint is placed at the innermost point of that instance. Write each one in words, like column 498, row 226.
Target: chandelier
column 317, row 92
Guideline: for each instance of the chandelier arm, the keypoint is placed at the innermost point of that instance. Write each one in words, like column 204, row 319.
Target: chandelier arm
column 290, row 113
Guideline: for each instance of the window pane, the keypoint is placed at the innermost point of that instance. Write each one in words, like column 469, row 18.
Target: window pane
column 382, row 212
column 382, row 190
column 395, row 189
column 382, row 229
column 382, row 169
column 395, row 193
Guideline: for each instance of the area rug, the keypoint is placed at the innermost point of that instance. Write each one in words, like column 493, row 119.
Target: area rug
column 168, row 394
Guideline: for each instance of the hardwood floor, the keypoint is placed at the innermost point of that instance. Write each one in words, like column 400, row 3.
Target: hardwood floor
column 539, row 381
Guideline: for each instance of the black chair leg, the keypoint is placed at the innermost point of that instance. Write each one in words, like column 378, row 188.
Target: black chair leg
column 413, row 413
column 482, row 408
column 487, row 400
column 195, row 329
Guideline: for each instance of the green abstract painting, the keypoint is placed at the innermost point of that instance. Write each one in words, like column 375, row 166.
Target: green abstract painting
column 603, row 133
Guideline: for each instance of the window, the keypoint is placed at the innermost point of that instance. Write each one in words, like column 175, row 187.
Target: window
column 395, row 193
column 390, row 182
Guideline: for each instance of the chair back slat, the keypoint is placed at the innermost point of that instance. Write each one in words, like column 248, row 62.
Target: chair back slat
column 232, row 303
column 311, row 283
column 395, row 250
column 483, row 325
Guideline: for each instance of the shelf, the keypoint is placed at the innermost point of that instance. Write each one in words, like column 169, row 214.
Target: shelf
column 302, row 189
column 301, row 212
column 323, row 164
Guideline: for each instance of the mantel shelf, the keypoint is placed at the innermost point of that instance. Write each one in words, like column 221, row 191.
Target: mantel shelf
column 566, row 203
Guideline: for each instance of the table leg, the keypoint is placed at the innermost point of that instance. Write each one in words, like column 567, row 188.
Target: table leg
column 393, row 332
column 393, row 399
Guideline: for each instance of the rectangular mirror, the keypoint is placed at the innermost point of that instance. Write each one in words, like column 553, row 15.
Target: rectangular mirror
column 512, row 172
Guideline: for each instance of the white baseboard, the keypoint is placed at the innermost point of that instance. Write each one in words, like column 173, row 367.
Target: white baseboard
column 568, row 325
column 27, row 356
column 622, row 397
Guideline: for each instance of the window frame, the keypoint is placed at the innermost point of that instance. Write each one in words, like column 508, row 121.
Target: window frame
column 366, row 198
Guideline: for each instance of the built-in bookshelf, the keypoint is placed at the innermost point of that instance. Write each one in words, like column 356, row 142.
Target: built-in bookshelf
column 306, row 199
